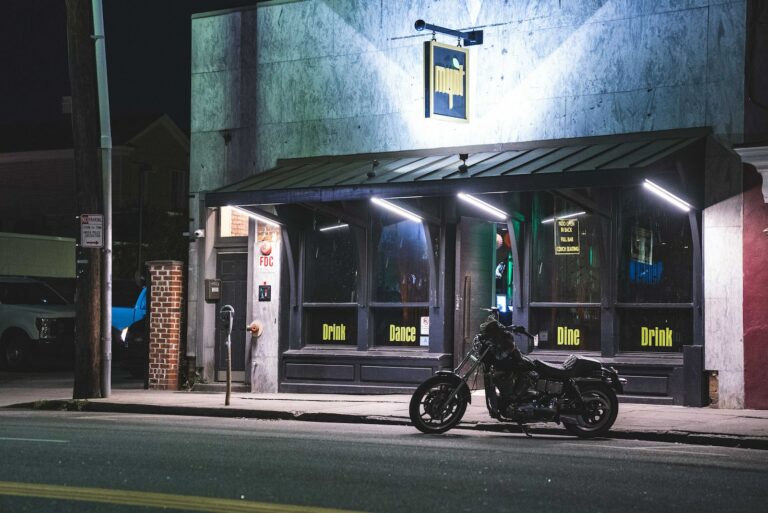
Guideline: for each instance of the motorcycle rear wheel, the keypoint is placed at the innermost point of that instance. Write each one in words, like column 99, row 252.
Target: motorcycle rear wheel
column 601, row 409
column 430, row 412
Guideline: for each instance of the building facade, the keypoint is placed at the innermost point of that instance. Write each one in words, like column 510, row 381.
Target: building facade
column 310, row 116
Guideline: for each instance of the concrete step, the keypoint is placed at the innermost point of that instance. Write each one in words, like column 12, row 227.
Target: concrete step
column 219, row 387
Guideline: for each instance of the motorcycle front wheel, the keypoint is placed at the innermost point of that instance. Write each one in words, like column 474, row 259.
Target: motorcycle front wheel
column 431, row 411
column 601, row 406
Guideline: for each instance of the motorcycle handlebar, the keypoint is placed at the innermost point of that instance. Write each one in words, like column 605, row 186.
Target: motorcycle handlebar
column 519, row 330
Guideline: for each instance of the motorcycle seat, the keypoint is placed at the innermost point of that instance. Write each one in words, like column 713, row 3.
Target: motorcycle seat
column 574, row 366
column 548, row 370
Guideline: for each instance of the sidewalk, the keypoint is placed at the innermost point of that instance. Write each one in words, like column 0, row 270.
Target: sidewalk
column 709, row 426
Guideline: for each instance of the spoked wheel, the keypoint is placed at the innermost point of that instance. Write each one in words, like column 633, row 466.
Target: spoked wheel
column 600, row 410
column 432, row 408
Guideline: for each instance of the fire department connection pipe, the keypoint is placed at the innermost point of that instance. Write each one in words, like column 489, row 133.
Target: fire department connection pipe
column 106, row 178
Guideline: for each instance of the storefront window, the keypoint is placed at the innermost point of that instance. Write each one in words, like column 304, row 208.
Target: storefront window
column 567, row 329
column 330, row 263
column 401, row 266
column 330, row 326
column 655, row 330
column 566, row 256
column 232, row 223
column 656, row 255
column 407, row 327
column 330, row 283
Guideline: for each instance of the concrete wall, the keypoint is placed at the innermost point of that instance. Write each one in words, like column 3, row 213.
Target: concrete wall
column 335, row 77
column 722, row 241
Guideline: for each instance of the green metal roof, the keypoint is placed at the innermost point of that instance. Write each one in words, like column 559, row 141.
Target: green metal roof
column 565, row 163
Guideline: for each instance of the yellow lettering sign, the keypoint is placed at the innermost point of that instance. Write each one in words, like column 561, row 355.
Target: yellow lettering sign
column 449, row 81
column 568, row 336
column 655, row 337
column 402, row 333
column 334, row 332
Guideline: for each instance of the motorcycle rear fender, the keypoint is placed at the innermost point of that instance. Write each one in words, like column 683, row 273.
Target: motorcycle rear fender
column 463, row 390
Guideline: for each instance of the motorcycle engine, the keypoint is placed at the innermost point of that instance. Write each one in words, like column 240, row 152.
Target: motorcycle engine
column 529, row 398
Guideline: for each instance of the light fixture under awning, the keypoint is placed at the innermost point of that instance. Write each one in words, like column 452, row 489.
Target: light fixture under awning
column 671, row 198
column 482, row 205
column 396, row 209
column 563, row 216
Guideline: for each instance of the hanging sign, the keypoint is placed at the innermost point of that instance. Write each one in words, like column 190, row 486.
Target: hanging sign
column 567, row 237
column 92, row 230
column 446, row 81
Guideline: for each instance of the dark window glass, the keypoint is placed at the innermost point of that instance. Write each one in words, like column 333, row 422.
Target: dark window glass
column 504, row 274
column 567, row 329
column 330, row 264
column 656, row 255
column 566, row 268
column 655, row 331
column 401, row 267
column 331, row 326
column 401, row 326
column 29, row 294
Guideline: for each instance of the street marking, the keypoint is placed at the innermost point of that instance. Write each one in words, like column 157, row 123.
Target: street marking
column 153, row 499
column 11, row 439
column 649, row 448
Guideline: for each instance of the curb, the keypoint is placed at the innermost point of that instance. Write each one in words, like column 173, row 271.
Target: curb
column 681, row 437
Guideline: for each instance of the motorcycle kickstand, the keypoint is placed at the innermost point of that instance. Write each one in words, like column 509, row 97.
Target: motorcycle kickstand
column 525, row 430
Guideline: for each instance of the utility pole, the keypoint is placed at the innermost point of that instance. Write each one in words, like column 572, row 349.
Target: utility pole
column 85, row 137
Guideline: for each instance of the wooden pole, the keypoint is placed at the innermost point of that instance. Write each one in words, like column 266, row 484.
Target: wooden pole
column 85, row 138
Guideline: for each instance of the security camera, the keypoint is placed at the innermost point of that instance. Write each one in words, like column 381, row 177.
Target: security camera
column 199, row 233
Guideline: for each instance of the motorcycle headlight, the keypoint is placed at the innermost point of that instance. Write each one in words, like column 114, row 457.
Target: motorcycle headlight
column 46, row 327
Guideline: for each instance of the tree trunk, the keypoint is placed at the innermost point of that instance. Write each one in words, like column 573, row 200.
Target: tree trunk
column 85, row 138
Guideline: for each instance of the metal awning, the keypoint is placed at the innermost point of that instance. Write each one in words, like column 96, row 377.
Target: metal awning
column 565, row 163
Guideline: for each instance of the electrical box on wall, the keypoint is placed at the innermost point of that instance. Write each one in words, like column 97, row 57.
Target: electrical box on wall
column 212, row 290
column 265, row 292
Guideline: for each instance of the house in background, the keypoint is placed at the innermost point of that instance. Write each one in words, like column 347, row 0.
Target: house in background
column 150, row 183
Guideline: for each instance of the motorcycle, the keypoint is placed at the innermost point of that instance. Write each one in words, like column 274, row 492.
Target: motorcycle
column 580, row 394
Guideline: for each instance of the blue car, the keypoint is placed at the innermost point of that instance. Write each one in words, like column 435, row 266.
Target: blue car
column 124, row 316
column 128, row 308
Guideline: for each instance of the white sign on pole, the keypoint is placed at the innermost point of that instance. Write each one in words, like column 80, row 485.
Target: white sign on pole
column 92, row 230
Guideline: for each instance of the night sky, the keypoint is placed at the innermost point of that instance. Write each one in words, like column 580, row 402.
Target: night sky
column 148, row 57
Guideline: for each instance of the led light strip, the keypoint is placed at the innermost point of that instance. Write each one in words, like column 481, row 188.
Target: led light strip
column 263, row 219
column 397, row 210
column 495, row 212
column 671, row 198
column 332, row 227
column 564, row 216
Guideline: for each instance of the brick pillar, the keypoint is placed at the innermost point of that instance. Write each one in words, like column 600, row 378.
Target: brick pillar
column 164, row 323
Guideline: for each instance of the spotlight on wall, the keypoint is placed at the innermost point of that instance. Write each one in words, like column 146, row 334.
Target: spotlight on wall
column 463, row 166
column 482, row 205
column 563, row 216
column 256, row 216
column 396, row 209
column 671, row 198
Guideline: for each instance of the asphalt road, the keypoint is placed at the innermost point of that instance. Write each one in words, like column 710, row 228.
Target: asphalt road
column 70, row 461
